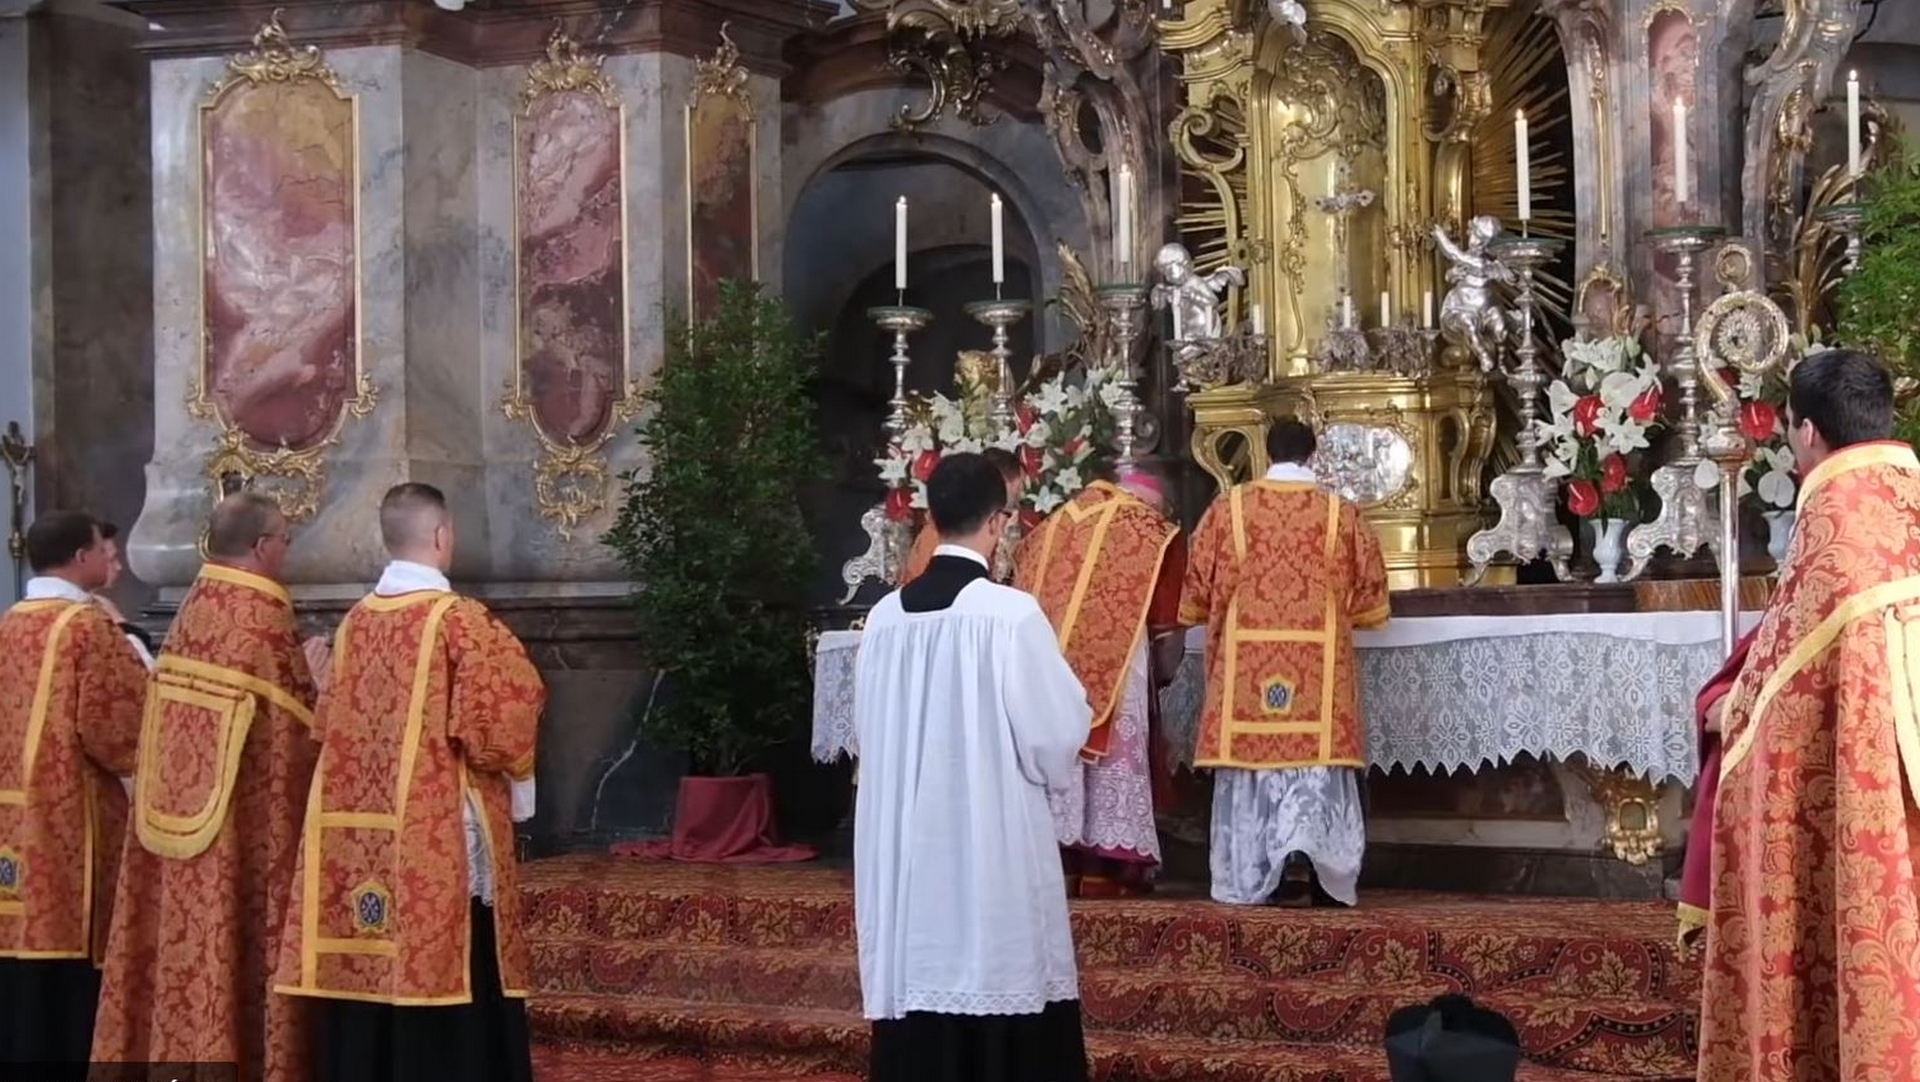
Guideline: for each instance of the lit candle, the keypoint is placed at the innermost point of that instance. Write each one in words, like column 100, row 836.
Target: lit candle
column 900, row 245
column 1124, row 214
column 1426, row 310
column 1346, row 310
column 1259, row 322
column 1682, row 173
column 999, row 244
column 1386, row 310
column 1853, row 123
column 1522, row 165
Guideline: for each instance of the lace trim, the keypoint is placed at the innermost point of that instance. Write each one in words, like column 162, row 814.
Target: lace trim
column 931, row 1001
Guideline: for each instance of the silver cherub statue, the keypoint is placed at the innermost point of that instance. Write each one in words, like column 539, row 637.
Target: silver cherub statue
column 1195, row 300
column 1469, row 318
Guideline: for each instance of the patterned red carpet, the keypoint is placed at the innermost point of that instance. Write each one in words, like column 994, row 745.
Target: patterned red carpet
column 653, row 972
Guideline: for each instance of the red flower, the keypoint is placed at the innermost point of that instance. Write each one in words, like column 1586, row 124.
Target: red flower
column 1582, row 498
column 1613, row 473
column 923, row 465
column 1025, row 415
column 899, row 504
column 1586, row 415
column 1757, row 420
column 1030, row 459
column 1072, row 446
column 1646, row 405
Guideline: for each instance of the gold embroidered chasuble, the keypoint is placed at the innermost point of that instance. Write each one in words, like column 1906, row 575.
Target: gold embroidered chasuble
column 1812, row 970
column 225, row 763
column 1096, row 565
column 71, row 690
column 1281, row 574
column 432, row 702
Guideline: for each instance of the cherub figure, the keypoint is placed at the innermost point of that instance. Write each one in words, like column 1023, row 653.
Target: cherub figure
column 1195, row 300
column 1468, row 316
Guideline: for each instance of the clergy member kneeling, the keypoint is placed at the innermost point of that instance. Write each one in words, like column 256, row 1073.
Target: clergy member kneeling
column 966, row 716
column 405, row 913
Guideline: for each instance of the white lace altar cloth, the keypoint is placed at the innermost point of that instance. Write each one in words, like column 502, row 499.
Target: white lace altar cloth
column 1447, row 692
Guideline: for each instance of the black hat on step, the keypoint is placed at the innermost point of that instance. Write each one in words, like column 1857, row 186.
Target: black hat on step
column 1452, row 1039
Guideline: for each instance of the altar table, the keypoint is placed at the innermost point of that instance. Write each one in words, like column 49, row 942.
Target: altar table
column 1447, row 692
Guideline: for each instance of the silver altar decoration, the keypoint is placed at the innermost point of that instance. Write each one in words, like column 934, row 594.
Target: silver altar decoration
column 1404, row 349
column 887, row 541
column 1124, row 304
column 1343, row 348
column 1364, row 464
column 1469, row 318
column 1528, row 528
column 1687, row 521
column 1847, row 218
column 1193, row 299
column 902, row 320
column 1241, row 357
column 1746, row 331
column 1000, row 314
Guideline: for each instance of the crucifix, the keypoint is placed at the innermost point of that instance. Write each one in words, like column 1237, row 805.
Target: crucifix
column 1340, row 203
column 18, row 455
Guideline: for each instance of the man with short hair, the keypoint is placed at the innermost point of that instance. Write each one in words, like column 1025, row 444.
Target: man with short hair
column 928, row 539
column 71, row 689
column 1281, row 574
column 1106, row 567
column 965, row 717
column 209, row 867
column 137, row 635
column 405, row 910
column 1812, row 967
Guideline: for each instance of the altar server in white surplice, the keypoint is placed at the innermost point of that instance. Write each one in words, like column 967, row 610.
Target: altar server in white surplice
column 967, row 716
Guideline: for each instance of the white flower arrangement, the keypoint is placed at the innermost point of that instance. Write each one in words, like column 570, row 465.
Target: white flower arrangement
column 1768, row 481
column 1062, row 425
column 1600, row 411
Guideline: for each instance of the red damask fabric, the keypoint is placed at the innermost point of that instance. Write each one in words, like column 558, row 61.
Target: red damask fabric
column 1812, row 969
column 1096, row 566
column 226, row 761
column 431, row 699
column 1281, row 574
column 71, row 689
column 925, row 540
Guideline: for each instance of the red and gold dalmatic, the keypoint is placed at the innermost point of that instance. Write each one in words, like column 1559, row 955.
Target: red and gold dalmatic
column 431, row 699
column 225, row 762
column 71, row 690
column 1281, row 573
column 1813, row 937
column 1097, row 564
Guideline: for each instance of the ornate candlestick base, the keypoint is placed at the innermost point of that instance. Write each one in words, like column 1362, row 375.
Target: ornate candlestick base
column 1000, row 315
column 1528, row 528
column 902, row 320
column 1124, row 303
column 888, row 543
column 1846, row 219
column 1686, row 522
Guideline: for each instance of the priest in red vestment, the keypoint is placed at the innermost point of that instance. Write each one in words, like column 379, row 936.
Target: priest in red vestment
column 1709, row 712
column 226, row 759
column 1812, row 970
column 1107, row 568
column 928, row 538
column 71, row 688
column 405, row 918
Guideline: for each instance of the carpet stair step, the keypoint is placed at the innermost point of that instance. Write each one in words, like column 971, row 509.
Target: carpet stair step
column 647, row 1040
column 1578, row 1030
column 1578, row 948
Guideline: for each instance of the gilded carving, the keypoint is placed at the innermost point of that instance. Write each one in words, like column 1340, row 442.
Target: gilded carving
column 280, row 367
column 572, row 380
column 723, row 235
column 1632, row 804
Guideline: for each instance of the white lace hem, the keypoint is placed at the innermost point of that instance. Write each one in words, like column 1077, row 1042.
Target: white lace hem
column 940, row 1001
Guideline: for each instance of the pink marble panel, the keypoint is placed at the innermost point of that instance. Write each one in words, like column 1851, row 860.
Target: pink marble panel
column 571, row 251
column 720, row 149
column 278, row 206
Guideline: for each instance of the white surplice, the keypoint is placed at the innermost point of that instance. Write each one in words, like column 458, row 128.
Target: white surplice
column 965, row 718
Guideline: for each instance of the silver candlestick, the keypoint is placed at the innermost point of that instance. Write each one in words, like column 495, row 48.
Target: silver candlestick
column 1687, row 522
column 1001, row 314
column 902, row 320
column 1846, row 218
column 1527, row 529
column 1125, row 302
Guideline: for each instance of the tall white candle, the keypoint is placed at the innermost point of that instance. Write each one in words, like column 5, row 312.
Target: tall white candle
column 1522, row 165
column 1346, row 310
column 1259, row 322
column 1853, row 123
column 1123, row 216
column 1386, row 309
column 1426, row 310
column 999, row 244
column 900, row 244
column 1682, row 169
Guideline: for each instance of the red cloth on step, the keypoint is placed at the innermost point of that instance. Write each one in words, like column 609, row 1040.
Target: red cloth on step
column 721, row 821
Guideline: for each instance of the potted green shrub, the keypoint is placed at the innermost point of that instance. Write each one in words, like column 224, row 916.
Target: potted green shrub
column 711, row 531
column 1880, row 301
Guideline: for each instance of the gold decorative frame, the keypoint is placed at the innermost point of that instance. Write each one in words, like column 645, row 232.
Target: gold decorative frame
column 297, row 478
column 570, row 479
column 722, row 79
